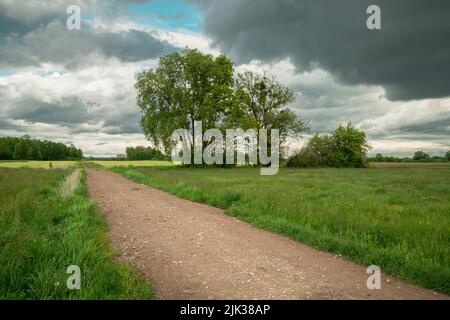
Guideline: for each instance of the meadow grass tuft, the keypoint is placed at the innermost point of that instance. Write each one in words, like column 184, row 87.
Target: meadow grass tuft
column 398, row 219
column 41, row 234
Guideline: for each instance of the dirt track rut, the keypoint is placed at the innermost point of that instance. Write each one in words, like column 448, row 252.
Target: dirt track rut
column 193, row 251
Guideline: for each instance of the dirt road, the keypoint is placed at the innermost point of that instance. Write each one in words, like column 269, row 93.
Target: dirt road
column 193, row 251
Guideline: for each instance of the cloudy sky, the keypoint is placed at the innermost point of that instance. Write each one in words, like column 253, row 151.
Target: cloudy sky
column 76, row 86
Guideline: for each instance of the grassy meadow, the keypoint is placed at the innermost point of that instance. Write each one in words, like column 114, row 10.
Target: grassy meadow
column 126, row 163
column 410, row 164
column 39, row 164
column 396, row 218
column 47, row 224
column 72, row 164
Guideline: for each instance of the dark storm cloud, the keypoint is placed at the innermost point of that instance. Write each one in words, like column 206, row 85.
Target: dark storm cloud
column 409, row 56
column 6, row 125
column 123, row 122
column 65, row 111
column 78, row 116
column 31, row 39
column 438, row 127
column 75, row 114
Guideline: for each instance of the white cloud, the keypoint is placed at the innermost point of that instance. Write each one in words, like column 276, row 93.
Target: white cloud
column 106, row 91
column 100, row 96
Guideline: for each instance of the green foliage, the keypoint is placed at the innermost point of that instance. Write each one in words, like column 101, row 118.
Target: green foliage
column 260, row 102
column 41, row 234
column 191, row 86
column 22, row 150
column 420, row 155
column 397, row 219
column 26, row 148
column 317, row 153
column 185, row 87
column 145, row 153
column 447, row 155
column 346, row 148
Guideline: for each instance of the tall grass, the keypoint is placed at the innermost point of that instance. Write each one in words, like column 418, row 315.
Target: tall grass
column 42, row 233
column 398, row 219
column 61, row 164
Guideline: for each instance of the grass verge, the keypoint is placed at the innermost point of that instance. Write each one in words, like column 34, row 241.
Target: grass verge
column 41, row 234
column 398, row 219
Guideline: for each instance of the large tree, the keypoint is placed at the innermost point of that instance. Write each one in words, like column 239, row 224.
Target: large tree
column 185, row 87
column 261, row 102
column 190, row 86
column 23, row 150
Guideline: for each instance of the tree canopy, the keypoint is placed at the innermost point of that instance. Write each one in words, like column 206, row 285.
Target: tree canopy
column 185, row 87
column 260, row 102
column 420, row 155
column 144, row 153
column 191, row 86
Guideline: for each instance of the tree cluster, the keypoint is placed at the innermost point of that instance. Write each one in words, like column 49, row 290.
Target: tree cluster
column 190, row 86
column 346, row 147
column 26, row 148
column 145, row 153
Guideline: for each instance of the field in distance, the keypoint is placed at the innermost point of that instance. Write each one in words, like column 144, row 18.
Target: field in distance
column 72, row 164
column 138, row 163
column 39, row 164
column 410, row 164
column 157, row 163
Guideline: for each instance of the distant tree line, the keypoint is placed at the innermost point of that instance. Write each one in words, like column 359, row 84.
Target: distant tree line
column 345, row 147
column 26, row 148
column 145, row 153
column 419, row 156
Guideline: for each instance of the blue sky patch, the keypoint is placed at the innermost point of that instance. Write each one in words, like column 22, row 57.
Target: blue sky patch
column 167, row 14
column 6, row 73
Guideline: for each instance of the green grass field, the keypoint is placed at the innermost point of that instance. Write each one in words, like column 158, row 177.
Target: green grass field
column 126, row 163
column 398, row 219
column 72, row 164
column 42, row 233
column 39, row 164
column 410, row 164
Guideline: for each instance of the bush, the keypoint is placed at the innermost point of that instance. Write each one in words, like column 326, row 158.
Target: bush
column 316, row 153
column 145, row 153
column 346, row 147
column 420, row 155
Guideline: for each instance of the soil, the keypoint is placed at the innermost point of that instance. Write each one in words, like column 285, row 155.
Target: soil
column 188, row 250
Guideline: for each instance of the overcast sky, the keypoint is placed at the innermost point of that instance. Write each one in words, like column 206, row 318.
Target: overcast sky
column 76, row 86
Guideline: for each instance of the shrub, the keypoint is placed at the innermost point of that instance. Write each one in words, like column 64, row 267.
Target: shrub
column 346, row 147
column 316, row 153
column 420, row 155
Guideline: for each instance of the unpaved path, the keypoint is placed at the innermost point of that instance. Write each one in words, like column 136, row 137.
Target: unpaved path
column 193, row 251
